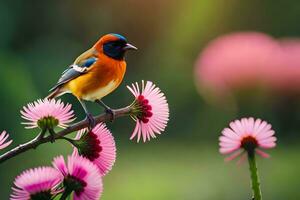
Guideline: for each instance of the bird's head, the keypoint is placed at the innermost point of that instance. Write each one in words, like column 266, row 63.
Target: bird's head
column 114, row 46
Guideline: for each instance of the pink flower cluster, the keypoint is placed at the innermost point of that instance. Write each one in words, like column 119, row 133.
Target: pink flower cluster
column 94, row 151
column 82, row 174
column 93, row 157
column 249, row 59
column 78, row 175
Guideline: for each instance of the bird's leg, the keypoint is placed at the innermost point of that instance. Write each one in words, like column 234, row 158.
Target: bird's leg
column 107, row 108
column 89, row 116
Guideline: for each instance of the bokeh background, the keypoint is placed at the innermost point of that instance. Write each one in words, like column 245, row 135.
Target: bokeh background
column 38, row 39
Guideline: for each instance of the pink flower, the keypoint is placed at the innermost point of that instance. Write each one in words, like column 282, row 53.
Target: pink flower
column 98, row 146
column 246, row 60
column 150, row 110
column 36, row 183
column 81, row 176
column 238, row 61
column 3, row 138
column 247, row 134
column 47, row 114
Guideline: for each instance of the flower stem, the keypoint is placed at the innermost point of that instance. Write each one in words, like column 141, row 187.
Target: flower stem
column 73, row 142
column 254, row 176
column 65, row 194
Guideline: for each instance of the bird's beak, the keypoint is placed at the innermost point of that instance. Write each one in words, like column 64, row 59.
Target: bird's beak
column 129, row 47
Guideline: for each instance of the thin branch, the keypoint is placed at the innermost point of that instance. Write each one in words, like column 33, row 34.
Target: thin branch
column 33, row 144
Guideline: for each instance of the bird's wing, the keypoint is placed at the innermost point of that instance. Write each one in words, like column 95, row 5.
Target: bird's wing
column 81, row 66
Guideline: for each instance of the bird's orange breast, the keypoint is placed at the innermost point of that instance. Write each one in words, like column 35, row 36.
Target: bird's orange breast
column 102, row 78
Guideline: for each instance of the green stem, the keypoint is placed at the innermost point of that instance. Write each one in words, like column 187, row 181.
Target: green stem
column 65, row 194
column 73, row 142
column 254, row 176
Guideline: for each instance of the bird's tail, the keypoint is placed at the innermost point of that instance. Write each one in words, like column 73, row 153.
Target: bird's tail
column 55, row 93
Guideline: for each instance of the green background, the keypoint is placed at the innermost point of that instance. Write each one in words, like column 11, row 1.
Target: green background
column 38, row 39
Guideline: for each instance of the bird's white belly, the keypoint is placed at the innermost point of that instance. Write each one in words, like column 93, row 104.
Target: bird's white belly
column 101, row 92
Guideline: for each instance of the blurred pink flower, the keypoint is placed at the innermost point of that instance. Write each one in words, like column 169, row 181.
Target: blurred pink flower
column 242, row 60
column 36, row 183
column 81, row 176
column 3, row 138
column 150, row 110
column 47, row 114
column 98, row 146
column 247, row 134
column 287, row 77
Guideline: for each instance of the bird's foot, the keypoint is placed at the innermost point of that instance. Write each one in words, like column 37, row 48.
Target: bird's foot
column 91, row 120
column 110, row 112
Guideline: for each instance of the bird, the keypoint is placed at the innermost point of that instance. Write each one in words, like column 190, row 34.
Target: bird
column 95, row 73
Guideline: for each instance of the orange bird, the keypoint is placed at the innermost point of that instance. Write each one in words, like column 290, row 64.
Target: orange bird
column 95, row 73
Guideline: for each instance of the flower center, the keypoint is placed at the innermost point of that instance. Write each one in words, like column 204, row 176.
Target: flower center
column 74, row 184
column 89, row 146
column 44, row 195
column 48, row 122
column 249, row 143
column 144, row 108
